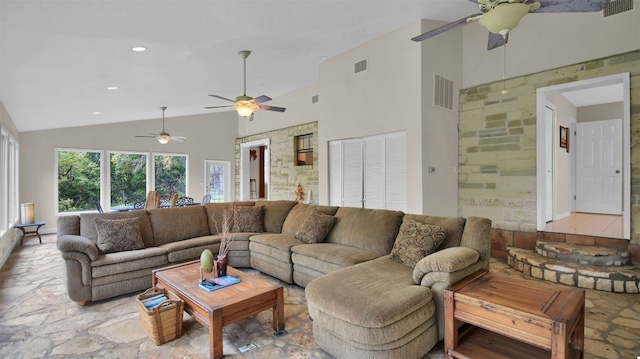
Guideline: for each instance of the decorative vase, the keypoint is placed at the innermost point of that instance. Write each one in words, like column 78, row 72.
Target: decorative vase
column 221, row 265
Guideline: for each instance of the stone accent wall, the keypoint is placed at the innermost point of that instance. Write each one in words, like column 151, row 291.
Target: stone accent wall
column 285, row 175
column 497, row 144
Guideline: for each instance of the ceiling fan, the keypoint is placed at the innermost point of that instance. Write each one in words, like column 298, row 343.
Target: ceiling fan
column 502, row 16
column 245, row 105
column 164, row 137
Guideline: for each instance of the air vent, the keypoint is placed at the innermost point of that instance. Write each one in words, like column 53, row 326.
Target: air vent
column 617, row 6
column 360, row 66
column 314, row 99
column 442, row 92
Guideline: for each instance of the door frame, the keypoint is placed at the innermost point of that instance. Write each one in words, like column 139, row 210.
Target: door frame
column 245, row 164
column 541, row 150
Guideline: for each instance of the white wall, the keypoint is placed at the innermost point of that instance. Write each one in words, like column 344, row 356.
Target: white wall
column 546, row 41
column 564, row 111
column 605, row 111
column 441, row 55
column 209, row 137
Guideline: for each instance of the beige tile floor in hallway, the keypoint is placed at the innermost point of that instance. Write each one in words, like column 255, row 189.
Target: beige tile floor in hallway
column 37, row 320
column 592, row 224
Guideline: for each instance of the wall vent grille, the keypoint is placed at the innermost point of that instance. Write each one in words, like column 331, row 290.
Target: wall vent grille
column 442, row 92
column 360, row 66
column 618, row 6
column 314, row 99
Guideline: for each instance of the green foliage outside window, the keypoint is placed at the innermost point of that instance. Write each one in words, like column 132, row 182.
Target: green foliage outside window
column 78, row 180
column 170, row 175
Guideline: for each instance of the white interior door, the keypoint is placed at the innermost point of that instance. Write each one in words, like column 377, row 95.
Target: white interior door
column 550, row 145
column 599, row 167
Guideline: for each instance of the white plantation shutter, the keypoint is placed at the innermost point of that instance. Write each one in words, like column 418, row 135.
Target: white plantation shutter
column 352, row 173
column 335, row 173
column 396, row 171
column 370, row 172
column 374, row 172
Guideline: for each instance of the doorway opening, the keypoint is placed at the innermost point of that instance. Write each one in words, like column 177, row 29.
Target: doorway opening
column 254, row 170
column 586, row 174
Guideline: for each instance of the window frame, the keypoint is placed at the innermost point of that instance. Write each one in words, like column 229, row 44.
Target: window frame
column 301, row 147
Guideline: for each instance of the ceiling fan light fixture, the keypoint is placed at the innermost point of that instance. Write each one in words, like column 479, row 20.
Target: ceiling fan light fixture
column 164, row 139
column 244, row 109
column 504, row 17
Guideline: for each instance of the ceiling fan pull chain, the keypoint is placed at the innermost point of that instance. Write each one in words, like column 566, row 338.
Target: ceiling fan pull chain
column 504, row 71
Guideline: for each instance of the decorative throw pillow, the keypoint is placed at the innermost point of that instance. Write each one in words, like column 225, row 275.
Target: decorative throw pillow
column 248, row 219
column 316, row 227
column 118, row 235
column 415, row 241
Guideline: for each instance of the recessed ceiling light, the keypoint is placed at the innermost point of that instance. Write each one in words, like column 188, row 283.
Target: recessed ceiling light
column 139, row 48
column 112, row 88
column 97, row 113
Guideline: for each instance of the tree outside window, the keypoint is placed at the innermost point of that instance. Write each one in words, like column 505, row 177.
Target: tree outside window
column 170, row 174
column 78, row 180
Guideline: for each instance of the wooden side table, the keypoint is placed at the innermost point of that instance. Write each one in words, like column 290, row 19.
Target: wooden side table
column 512, row 318
column 22, row 226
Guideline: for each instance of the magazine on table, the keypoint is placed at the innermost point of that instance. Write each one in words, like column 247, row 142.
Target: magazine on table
column 217, row 283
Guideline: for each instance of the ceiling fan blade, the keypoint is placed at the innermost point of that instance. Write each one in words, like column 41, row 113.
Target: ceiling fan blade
column 208, row 107
column 223, row 98
column 496, row 40
column 271, row 108
column 148, row 136
column 571, row 6
column 261, row 99
column 178, row 138
column 442, row 29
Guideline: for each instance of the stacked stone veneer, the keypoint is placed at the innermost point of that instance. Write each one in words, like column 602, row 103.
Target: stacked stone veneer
column 497, row 146
column 284, row 174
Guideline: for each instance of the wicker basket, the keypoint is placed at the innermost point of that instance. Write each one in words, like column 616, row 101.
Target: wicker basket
column 164, row 322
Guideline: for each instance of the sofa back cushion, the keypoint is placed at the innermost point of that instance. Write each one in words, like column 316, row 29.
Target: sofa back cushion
column 275, row 212
column 68, row 225
column 374, row 230
column 88, row 224
column 300, row 213
column 453, row 225
column 215, row 212
column 178, row 223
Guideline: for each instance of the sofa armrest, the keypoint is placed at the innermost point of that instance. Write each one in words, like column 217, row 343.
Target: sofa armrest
column 72, row 243
column 444, row 262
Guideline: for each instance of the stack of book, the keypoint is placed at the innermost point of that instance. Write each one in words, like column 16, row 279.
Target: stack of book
column 154, row 301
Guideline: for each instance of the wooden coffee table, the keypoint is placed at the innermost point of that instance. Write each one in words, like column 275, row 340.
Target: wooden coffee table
column 512, row 318
column 223, row 306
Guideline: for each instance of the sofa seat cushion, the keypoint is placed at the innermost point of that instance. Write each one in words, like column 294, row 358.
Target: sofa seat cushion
column 370, row 309
column 190, row 249
column 327, row 257
column 121, row 262
column 277, row 246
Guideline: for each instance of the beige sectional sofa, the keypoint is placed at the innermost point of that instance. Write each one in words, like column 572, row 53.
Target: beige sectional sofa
column 363, row 303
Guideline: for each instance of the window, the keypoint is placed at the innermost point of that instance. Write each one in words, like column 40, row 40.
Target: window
column 4, row 180
column 170, row 174
column 9, row 208
column 304, row 150
column 79, row 179
column 217, row 179
column 127, row 177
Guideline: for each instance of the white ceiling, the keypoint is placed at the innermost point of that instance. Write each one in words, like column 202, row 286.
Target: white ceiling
column 59, row 57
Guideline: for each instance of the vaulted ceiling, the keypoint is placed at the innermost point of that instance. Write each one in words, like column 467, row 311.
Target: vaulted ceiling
column 59, row 57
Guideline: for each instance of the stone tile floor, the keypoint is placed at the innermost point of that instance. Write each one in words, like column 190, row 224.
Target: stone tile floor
column 37, row 320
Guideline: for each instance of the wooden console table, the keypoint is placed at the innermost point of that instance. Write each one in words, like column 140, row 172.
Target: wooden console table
column 512, row 318
column 22, row 226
